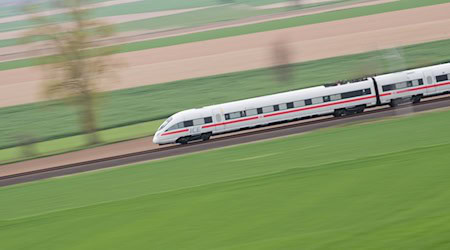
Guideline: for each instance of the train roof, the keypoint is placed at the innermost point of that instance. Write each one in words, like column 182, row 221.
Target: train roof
column 306, row 93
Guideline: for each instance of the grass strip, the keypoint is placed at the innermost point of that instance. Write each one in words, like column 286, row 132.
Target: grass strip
column 78, row 142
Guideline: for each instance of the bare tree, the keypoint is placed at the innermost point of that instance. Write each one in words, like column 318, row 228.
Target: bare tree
column 75, row 71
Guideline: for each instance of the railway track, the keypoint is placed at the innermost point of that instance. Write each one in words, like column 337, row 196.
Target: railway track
column 222, row 141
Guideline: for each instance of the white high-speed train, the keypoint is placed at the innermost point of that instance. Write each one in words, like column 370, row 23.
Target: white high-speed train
column 335, row 99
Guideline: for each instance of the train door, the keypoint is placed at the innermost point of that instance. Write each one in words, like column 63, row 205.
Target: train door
column 218, row 119
column 196, row 124
column 196, row 129
column 429, row 81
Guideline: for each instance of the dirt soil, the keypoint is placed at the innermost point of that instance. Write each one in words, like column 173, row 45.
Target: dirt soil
column 290, row 4
column 252, row 51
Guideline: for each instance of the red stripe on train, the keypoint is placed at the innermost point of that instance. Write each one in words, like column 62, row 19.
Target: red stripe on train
column 175, row 132
column 230, row 122
column 290, row 111
column 424, row 87
column 320, row 106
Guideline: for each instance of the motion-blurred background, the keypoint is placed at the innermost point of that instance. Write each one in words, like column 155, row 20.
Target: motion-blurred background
column 84, row 80
column 115, row 69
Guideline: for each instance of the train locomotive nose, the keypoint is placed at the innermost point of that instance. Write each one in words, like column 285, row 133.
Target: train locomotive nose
column 156, row 139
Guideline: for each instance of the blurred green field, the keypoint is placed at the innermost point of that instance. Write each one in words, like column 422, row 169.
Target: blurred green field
column 240, row 30
column 78, row 142
column 278, row 24
column 211, row 15
column 188, row 19
column 51, row 120
column 381, row 185
column 144, row 6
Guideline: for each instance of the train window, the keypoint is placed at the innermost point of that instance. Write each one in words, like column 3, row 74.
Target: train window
column 276, row 107
column 251, row 112
column 308, row 102
column 326, row 98
column 352, row 94
column 234, row 115
column 290, row 105
column 335, row 97
column 441, row 78
column 389, row 87
column 400, row 85
column 208, row 120
column 198, row 122
column 367, row 92
column 317, row 100
column 188, row 123
column 164, row 124
column 283, row 106
column 267, row 109
column 176, row 126
column 300, row 104
column 260, row 110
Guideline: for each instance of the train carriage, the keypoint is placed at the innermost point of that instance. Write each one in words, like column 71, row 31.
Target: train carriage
column 338, row 99
column 412, row 85
column 202, row 123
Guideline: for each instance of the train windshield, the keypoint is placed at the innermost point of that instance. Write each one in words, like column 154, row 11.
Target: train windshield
column 165, row 123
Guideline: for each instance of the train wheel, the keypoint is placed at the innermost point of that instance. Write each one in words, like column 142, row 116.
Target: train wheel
column 416, row 99
column 360, row 109
column 183, row 140
column 206, row 137
column 393, row 103
column 339, row 112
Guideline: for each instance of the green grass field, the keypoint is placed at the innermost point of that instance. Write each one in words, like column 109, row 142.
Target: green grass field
column 78, row 142
column 245, row 29
column 382, row 185
column 51, row 120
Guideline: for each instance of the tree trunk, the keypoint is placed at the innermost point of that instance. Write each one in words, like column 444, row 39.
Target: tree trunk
column 281, row 60
column 88, row 119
